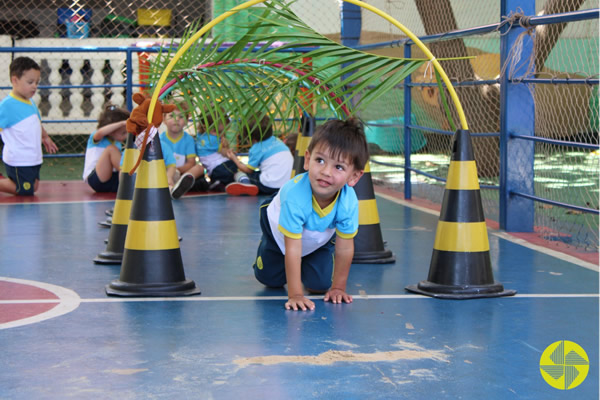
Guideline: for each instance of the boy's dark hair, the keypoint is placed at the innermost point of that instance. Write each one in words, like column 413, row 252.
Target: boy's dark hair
column 112, row 114
column 345, row 139
column 19, row 65
column 259, row 130
column 207, row 121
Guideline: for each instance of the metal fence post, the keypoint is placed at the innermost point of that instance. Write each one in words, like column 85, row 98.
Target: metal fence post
column 517, row 117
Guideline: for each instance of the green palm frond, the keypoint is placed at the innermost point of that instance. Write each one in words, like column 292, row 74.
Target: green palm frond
column 276, row 64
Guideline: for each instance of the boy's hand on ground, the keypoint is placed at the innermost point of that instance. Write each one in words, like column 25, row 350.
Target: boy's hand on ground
column 337, row 296
column 299, row 303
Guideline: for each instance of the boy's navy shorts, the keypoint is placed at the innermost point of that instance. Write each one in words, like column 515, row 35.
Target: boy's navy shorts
column 269, row 266
column 110, row 186
column 24, row 178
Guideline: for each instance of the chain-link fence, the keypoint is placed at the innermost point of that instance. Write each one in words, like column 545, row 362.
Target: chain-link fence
column 563, row 111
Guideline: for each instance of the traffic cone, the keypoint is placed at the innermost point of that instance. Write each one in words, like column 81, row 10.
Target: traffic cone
column 460, row 265
column 152, row 264
column 120, row 213
column 308, row 125
column 369, row 247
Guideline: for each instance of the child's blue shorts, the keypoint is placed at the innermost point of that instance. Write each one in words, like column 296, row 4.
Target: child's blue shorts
column 269, row 266
column 110, row 186
column 24, row 178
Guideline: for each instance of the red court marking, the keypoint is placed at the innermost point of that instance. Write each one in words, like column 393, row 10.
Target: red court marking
column 15, row 312
column 68, row 191
column 20, row 291
column 59, row 191
column 25, row 302
column 533, row 237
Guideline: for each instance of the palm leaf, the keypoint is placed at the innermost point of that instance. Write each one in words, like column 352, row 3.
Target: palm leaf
column 259, row 75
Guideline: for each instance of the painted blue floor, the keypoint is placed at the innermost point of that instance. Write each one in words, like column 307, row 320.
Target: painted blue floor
column 236, row 341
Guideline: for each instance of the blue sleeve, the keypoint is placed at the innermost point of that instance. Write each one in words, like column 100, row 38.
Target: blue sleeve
column 347, row 214
column 291, row 219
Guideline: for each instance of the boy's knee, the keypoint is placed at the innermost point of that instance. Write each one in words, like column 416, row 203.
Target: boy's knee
column 26, row 189
column 265, row 276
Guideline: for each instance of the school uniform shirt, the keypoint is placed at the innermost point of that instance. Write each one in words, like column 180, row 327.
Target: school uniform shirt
column 274, row 160
column 183, row 147
column 295, row 213
column 21, row 131
column 207, row 149
column 168, row 153
column 93, row 152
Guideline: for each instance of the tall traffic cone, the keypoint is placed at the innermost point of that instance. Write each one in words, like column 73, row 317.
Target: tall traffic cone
column 308, row 125
column 120, row 214
column 369, row 247
column 460, row 265
column 152, row 264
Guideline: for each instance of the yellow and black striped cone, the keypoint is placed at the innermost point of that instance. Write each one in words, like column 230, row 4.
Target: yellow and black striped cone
column 369, row 247
column 152, row 264
column 460, row 265
column 120, row 213
column 306, row 133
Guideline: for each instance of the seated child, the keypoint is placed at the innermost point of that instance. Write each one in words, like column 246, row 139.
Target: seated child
column 104, row 148
column 211, row 149
column 184, row 148
column 22, row 131
column 270, row 161
column 298, row 223
column 169, row 159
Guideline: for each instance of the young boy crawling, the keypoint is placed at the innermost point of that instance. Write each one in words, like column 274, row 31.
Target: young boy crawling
column 309, row 225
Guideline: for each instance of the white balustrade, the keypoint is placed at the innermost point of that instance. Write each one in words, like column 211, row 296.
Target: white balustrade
column 76, row 103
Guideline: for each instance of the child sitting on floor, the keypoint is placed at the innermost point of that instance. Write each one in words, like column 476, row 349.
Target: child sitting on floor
column 270, row 161
column 211, row 149
column 22, row 131
column 184, row 148
column 104, row 148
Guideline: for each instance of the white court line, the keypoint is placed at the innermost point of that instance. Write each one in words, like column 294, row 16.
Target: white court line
column 67, row 301
column 505, row 236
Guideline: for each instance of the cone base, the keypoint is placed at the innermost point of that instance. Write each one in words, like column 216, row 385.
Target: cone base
column 108, row 257
column 374, row 257
column 462, row 292
column 124, row 289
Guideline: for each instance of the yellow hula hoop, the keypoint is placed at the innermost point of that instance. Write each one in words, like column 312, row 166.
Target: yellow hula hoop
column 250, row 3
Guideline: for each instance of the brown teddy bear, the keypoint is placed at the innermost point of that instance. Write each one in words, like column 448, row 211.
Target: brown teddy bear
column 138, row 120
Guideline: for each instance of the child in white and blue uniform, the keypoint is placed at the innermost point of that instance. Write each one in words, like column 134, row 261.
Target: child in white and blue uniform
column 22, row 131
column 104, row 148
column 270, row 161
column 309, row 225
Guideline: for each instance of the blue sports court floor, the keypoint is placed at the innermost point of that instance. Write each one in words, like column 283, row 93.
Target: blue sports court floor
column 62, row 337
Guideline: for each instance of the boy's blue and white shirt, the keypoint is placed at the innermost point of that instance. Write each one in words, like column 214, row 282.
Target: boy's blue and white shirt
column 295, row 213
column 21, row 131
column 207, row 149
column 183, row 147
column 93, row 152
column 274, row 160
column 168, row 153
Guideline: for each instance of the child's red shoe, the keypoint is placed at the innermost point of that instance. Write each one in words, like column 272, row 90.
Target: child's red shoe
column 240, row 189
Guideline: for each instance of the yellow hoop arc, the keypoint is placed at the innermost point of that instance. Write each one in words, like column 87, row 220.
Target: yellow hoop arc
column 250, row 3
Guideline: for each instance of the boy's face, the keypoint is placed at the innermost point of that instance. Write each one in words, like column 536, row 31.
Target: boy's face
column 26, row 86
column 328, row 175
column 175, row 122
